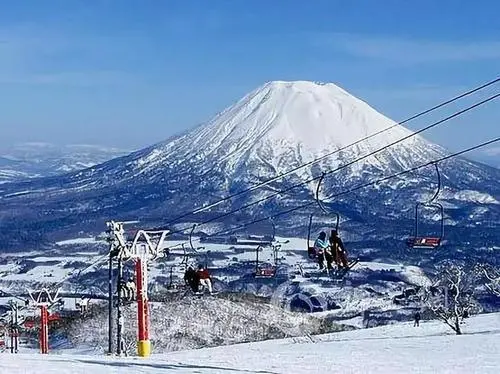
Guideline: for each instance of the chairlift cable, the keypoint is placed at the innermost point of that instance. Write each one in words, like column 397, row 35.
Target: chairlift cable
column 428, row 127
column 364, row 185
column 280, row 176
column 361, row 186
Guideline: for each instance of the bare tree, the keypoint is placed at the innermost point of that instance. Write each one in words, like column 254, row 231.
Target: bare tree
column 453, row 298
column 492, row 277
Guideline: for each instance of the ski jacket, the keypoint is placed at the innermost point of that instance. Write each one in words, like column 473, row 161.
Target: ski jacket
column 203, row 274
column 336, row 243
column 130, row 285
column 190, row 274
column 320, row 245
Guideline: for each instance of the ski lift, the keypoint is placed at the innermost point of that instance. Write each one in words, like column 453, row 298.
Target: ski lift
column 311, row 252
column 428, row 242
column 268, row 271
column 322, row 207
column 178, row 284
column 185, row 256
column 199, row 248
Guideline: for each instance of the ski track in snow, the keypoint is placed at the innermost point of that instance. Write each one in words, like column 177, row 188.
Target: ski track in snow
column 399, row 348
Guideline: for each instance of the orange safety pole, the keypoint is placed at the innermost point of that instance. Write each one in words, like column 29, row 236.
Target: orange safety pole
column 143, row 345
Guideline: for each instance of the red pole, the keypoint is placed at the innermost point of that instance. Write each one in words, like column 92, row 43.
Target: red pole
column 44, row 330
column 143, row 345
column 41, row 335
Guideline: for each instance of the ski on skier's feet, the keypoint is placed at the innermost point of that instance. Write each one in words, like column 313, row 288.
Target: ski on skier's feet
column 342, row 271
column 200, row 294
column 353, row 263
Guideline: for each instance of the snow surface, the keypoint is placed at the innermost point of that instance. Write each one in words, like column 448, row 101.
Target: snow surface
column 89, row 240
column 276, row 128
column 283, row 124
column 400, row 348
column 372, row 286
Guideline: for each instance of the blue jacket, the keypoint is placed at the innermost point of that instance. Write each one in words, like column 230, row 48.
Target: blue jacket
column 320, row 245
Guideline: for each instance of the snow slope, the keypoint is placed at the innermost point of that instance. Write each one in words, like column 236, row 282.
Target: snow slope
column 400, row 348
column 281, row 124
column 182, row 323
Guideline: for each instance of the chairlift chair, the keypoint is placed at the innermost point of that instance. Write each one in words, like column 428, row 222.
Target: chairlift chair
column 311, row 252
column 428, row 242
column 195, row 250
column 322, row 207
column 268, row 271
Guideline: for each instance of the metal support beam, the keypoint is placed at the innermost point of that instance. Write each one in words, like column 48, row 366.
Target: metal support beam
column 119, row 317
column 110, row 304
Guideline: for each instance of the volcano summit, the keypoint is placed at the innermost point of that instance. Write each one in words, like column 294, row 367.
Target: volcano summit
column 275, row 128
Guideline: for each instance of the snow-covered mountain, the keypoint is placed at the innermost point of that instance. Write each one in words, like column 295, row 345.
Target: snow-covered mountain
column 273, row 129
column 490, row 156
column 30, row 160
column 285, row 124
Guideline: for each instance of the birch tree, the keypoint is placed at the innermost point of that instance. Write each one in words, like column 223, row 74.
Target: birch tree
column 455, row 296
column 492, row 278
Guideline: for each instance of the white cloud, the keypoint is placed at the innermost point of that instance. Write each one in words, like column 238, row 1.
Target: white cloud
column 492, row 151
column 29, row 55
column 409, row 50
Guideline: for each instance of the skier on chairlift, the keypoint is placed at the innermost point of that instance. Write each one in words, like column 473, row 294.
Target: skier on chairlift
column 205, row 280
column 329, row 257
column 338, row 250
column 130, row 287
column 320, row 246
column 192, row 278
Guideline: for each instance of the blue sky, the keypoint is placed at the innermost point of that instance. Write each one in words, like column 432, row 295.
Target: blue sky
column 129, row 73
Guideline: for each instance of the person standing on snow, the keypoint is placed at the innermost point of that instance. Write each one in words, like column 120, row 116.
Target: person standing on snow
column 205, row 280
column 320, row 246
column 417, row 319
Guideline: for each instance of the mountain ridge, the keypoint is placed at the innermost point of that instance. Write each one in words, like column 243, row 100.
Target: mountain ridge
column 35, row 159
column 276, row 127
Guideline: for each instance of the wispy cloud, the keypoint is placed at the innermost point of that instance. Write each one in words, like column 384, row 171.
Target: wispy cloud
column 408, row 50
column 492, row 151
column 82, row 78
column 29, row 55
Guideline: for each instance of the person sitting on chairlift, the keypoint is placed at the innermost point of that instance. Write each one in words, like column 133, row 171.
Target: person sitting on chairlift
column 329, row 257
column 338, row 250
column 129, row 289
column 82, row 305
column 192, row 278
column 205, row 280
column 320, row 245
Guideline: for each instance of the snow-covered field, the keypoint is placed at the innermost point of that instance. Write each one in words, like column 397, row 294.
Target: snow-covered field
column 55, row 267
column 399, row 348
column 371, row 285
